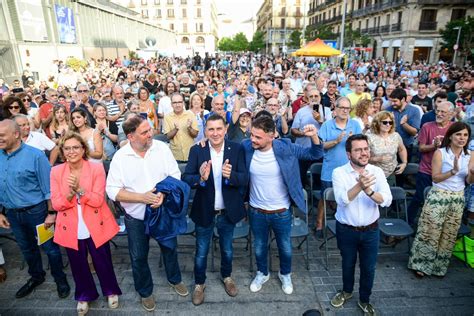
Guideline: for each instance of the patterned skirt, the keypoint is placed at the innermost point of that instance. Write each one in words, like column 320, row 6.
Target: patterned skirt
column 437, row 231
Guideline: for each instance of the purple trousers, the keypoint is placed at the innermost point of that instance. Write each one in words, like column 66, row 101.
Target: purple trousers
column 86, row 290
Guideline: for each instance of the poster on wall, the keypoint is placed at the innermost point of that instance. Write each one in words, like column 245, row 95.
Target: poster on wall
column 66, row 24
column 31, row 18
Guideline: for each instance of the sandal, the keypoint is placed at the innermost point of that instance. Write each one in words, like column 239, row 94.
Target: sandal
column 3, row 274
column 418, row 274
column 82, row 308
column 113, row 301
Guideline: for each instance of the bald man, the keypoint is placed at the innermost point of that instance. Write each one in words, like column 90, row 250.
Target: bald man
column 25, row 197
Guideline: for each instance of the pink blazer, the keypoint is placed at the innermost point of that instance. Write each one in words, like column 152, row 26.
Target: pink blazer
column 97, row 216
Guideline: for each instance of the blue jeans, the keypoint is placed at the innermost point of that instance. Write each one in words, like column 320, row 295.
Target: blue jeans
column 23, row 225
column 366, row 243
column 138, row 246
column 280, row 223
column 423, row 180
column 204, row 235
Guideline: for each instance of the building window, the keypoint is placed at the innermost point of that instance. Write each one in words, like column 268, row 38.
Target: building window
column 144, row 2
column 158, row 13
column 185, row 27
column 458, row 14
column 198, row 1
column 428, row 20
column 170, row 2
column 199, row 27
column 282, row 22
column 171, row 13
column 198, row 12
column 200, row 41
column 185, row 40
column 298, row 11
column 145, row 13
column 184, row 1
column 185, row 14
column 157, row 2
column 333, row 12
column 297, row 23
column 360, row 25
column 283, row 11
column 172, row 26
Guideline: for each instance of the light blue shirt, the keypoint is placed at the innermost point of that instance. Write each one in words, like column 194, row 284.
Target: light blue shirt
column 336, row 156
column 24, row 177
column 303, row 117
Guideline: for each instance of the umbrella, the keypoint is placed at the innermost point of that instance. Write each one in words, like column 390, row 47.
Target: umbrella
column 317, row 48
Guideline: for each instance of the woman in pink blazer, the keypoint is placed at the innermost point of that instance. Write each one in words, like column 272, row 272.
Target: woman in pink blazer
column 84, row 223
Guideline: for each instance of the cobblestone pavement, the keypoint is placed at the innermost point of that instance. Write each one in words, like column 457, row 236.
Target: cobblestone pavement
column 396, row 290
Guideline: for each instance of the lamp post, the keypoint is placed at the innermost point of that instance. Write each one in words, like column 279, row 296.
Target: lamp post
column 344, row 4
column 457, row 43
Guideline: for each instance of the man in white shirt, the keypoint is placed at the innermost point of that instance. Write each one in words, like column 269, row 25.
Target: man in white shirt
column 135, row 170
column 35, row 139
column 359, row 189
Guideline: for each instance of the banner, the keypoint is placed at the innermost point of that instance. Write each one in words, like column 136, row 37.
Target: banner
column 31, row 18
column 66, row 24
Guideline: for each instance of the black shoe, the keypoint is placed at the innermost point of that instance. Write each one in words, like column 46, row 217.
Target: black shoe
column 63, row 289
column 28, row 288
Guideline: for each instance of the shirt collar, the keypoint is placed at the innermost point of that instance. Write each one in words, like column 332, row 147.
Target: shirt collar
column 214, row 151
column 22, row 145
column 130, row 152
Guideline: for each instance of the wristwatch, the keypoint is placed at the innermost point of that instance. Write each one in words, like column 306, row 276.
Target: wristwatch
column 371, row 193
column 50, row 212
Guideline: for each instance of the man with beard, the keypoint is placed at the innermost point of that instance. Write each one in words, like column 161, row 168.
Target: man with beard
column 359, row 189
column 132, row 177
column 267, row 93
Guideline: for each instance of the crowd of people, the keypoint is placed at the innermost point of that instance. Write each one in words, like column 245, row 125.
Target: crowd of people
column 243, row 130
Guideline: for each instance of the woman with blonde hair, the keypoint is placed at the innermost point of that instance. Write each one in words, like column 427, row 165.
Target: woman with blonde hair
column 147, row 108
column 385, row 143
column 59, row 124
column 85, row 223
column 196, row 105
column 363, row 114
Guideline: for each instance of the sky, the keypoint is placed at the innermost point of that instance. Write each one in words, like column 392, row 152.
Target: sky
column 238, row 10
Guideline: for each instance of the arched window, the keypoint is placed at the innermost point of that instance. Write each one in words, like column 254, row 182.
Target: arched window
column 185, row 40
column 200, row 40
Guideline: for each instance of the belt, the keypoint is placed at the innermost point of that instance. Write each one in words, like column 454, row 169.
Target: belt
column 24, row 209
column 219, row 212
column 362, row 228
column 281, row 210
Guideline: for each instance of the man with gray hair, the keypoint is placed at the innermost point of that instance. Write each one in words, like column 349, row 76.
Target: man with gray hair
column 86, row 102
column 46, row 110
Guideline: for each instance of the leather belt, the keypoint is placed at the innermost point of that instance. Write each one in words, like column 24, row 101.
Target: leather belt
column 219, row 212
column 362, row 228
column 24, row 209
column 281, row 210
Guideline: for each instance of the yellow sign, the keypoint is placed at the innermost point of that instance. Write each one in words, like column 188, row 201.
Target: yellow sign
column 44, row 234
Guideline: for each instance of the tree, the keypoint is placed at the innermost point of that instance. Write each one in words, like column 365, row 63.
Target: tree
column 295, row 39
column 240, row 42
column 466, row 40
column 226, row 44
column 323, row 32
column 258, row 42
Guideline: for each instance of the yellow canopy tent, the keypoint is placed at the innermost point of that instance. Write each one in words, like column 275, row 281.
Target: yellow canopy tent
column 317, row 48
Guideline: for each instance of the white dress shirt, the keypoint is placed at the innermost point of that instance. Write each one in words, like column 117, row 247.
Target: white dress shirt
column 40, row 141
column 217, row 162
column 361, row 211
column 133, row 173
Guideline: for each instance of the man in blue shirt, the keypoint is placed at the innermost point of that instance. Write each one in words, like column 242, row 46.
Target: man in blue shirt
column 407, row 118
column 333, row 134
column 24, row 195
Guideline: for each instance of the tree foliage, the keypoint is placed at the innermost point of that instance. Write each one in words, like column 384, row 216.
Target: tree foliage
column 295, row 39
column 466, row 40
column 258, row 42
column 324, row 32
column 237, row 43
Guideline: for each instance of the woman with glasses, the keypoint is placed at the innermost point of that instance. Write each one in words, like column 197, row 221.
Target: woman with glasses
column 59, row 124
column 440, row 219
column 385, row 144
column 85, row 223
column 80, row 125
column 13, row 105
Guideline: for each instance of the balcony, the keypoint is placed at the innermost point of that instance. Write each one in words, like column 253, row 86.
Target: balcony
column 396, row 27
column 448, row 2
column 428, row 26
column 385, row 29
column 387, row 4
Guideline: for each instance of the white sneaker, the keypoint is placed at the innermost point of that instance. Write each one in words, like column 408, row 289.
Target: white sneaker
column 259, row 280
column 286, row 284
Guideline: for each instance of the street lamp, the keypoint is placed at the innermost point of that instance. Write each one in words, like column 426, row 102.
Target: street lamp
column 457, row 42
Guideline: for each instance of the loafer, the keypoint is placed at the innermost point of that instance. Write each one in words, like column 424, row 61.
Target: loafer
column 28, row 287
column 3, row 274
column 63, row 289
column 230, row 287
column 113, row 301
column 180, row 289
column 340, row 298
column 198, row 294
column 148, row 303
column 82, row 308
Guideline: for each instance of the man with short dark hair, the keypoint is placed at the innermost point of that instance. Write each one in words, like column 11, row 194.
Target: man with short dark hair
column 274, row 183
column 25, row 197
column 135, row 170
column 422, row 99
column 219, row 174
column 201, row 90
column 359, row 189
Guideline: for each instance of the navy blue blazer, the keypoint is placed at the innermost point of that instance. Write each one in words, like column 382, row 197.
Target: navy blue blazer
column 233, row 190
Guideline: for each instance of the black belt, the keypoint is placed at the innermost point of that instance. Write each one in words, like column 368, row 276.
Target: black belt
column 362, row 228
column 24, row 209
column 281, row 210
column 219, row 212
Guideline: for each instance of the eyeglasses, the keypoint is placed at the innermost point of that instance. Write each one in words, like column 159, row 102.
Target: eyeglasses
column 26, row 100
column 14, row 107
column 314, row 96
column 53, row 95
column 272, row 104
column 344, row 108
column 72, row 148
column 82, row 91
column 177, row 102
column 387, row 122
